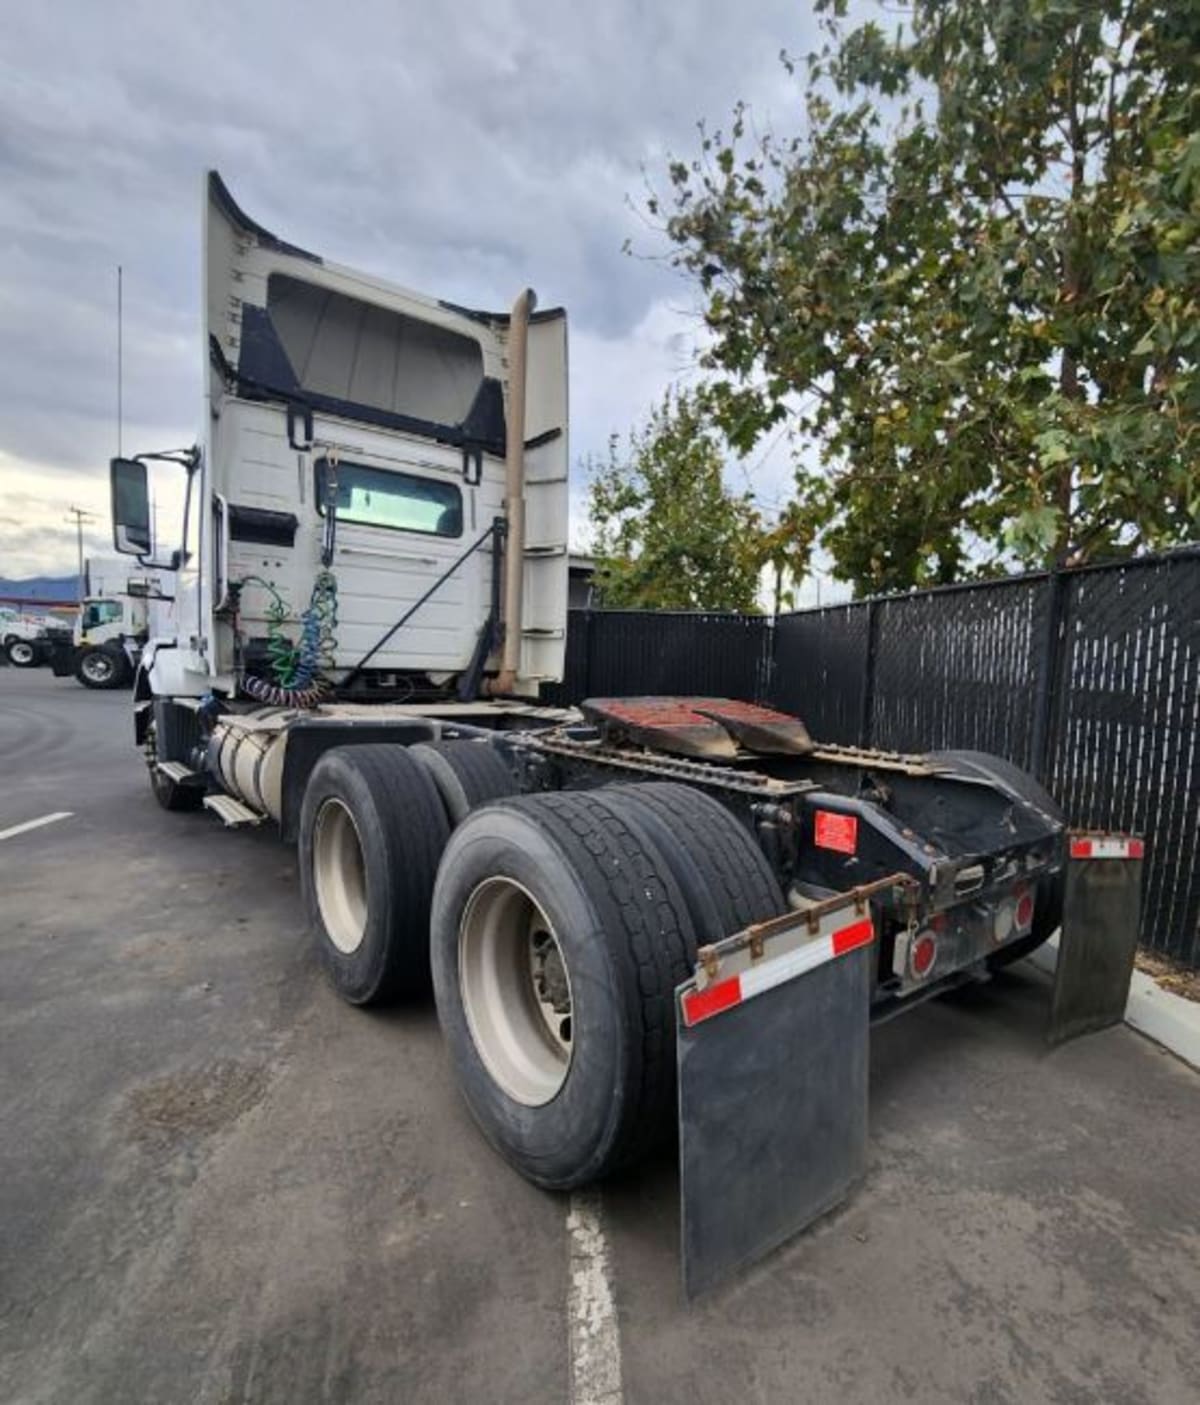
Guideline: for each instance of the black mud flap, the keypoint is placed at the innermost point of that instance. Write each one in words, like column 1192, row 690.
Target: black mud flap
column 1098, row 941
column 62, row 658
column 772, row 1044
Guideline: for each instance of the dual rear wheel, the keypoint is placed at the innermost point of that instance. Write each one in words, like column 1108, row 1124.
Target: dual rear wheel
column 555, row 928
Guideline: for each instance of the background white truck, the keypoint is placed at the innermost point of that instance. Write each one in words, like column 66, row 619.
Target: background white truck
column 114, row 620
column 369, row 587
column 22, row 637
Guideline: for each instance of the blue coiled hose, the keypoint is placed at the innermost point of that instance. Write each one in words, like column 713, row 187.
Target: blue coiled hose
column 298, row 667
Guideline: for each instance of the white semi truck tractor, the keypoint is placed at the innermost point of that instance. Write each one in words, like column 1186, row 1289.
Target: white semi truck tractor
column 368, row 590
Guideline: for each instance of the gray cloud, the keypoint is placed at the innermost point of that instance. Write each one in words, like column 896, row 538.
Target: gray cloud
column 463, row 150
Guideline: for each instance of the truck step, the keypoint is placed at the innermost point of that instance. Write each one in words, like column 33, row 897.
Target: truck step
column 177, row 772
column 232, row 813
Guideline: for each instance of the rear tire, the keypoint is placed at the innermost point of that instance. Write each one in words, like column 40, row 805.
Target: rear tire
column 569, row 866
column 372, row 829
column 715, row 859
column 22, row 653
column 467, row 774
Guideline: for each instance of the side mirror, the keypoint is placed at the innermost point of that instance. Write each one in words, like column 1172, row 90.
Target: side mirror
column 130, row 507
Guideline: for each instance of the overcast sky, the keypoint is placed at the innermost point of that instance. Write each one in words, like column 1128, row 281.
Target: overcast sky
column 464, row 150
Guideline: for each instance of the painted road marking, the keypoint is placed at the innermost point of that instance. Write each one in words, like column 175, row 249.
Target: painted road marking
column 35, row 824
column 594, row 1344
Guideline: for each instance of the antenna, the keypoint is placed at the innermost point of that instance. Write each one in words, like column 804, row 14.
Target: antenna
column 80, row 515
column 120, row 276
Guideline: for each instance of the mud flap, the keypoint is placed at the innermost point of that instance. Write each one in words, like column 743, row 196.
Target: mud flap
column 1098, row 941
column 772, row 1043
column 62, row 658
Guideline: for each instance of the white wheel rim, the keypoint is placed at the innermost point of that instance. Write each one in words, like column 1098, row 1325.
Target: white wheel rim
column 21, row 653
column 340, row 876
column 516, row 991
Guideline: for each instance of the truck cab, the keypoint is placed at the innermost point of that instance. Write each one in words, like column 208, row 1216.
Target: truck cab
column 356, row 467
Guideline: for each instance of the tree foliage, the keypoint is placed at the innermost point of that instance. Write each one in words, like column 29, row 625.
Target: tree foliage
column 973, row 283
column 669, row 535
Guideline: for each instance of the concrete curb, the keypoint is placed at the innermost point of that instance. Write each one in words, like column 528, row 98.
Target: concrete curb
column 1168, row 1019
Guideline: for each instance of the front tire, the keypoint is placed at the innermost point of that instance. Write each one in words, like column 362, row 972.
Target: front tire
column 174, row 796
column 372, row 829
column 102, row 668
column 22, row 653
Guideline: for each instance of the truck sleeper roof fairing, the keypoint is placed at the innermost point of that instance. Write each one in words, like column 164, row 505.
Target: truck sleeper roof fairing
column 279, row 333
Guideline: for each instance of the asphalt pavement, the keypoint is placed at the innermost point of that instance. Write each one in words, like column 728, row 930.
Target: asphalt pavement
column 219, row 1184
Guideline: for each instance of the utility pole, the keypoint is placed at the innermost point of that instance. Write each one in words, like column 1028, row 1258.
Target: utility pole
column 119, row 350
column 80, row 515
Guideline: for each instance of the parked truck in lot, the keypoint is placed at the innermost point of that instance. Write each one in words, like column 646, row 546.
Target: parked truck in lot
column 26, row 639
column 112, row 626
column 369, row 590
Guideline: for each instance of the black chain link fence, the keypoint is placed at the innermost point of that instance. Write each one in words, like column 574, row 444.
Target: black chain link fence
column 1123, row 728
column 1089, row 679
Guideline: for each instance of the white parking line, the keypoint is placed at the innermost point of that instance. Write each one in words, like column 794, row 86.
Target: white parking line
column 594, row 1342
column 35, row 824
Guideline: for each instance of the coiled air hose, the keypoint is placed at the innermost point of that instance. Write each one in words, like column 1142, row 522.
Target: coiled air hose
column 298, row 668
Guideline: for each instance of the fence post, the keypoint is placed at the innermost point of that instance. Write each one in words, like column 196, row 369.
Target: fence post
column 765, row 681
column 867, row 698
column 585, row 689
column 1045, row 683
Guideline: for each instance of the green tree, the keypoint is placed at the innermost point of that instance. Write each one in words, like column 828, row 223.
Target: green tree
column 973, row 282
column 669, row 535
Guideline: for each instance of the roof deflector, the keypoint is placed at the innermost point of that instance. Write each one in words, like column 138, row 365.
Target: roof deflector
column 218, row 193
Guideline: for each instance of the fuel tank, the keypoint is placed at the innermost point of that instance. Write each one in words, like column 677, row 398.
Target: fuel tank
column 246, row 752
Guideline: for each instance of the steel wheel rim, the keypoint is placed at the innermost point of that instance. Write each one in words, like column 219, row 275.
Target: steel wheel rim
column 340, row 876
column 97, row 668
column 21, row 652
column 516, row 991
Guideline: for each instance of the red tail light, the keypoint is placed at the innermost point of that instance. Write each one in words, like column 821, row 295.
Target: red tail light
column 923, row 954
column 1024, row 910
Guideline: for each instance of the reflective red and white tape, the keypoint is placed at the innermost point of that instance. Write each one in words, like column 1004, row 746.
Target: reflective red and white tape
column 700, row 1005
column 1107, row 847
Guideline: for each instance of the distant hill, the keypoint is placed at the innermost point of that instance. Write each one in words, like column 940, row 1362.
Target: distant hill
column 41, row 587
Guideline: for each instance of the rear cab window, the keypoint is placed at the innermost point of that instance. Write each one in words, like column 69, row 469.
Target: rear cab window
column 383, row 497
